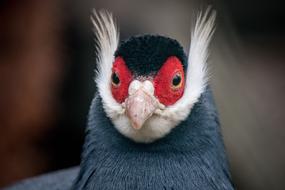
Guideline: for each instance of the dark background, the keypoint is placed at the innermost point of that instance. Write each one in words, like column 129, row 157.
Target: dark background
column 47, row 62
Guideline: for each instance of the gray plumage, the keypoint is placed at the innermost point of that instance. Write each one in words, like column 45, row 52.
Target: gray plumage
column 192, row 156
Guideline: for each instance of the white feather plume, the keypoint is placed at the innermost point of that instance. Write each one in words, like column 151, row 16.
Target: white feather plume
column 107, row 37
column 196, row 75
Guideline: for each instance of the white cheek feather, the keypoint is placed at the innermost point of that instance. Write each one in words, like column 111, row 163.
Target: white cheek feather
column 165, row 119
column 154, row 128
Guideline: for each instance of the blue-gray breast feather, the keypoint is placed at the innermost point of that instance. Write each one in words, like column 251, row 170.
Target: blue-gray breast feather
column 191, row 156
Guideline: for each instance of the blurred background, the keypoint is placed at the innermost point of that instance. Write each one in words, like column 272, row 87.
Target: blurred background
column 47, row 62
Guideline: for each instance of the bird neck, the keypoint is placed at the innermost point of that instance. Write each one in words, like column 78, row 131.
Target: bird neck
column 200, row 129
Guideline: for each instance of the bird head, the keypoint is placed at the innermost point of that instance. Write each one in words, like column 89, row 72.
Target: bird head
column 146, row 84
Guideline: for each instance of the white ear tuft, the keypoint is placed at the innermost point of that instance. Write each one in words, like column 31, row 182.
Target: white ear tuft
column 198, row 53
column 196, row 75
column 107, row 38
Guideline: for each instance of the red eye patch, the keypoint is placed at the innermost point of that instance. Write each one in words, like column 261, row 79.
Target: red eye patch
column 120, row 80
column 169, row 82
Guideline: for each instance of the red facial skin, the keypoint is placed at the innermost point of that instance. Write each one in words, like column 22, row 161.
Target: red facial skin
column 166, row 93
column 120, row 91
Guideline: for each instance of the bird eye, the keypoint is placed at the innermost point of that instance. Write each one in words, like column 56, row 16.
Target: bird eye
column 115, row 79
column 176, row 81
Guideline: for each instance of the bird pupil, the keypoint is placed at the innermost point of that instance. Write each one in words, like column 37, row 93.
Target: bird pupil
column 176, row 80
column 115, row 79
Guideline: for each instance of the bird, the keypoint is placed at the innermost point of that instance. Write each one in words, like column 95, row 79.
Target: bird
column 153, row 123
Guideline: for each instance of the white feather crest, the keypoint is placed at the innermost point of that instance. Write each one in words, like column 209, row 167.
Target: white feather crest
column 107, row 37
column 196, row 76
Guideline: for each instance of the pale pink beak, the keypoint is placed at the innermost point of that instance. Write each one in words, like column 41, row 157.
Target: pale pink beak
column 139, row 107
